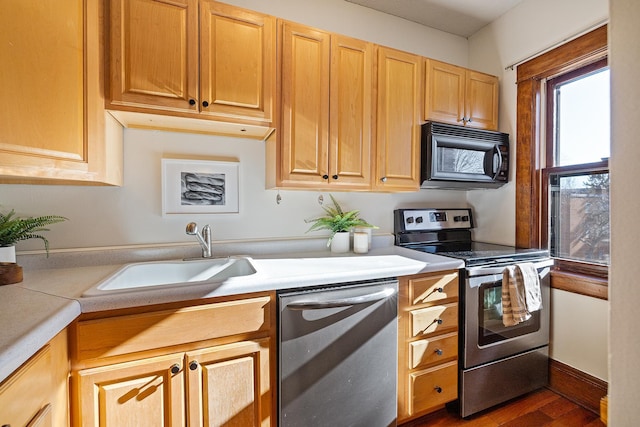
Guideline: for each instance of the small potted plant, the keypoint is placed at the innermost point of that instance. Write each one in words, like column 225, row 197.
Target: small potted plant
column 14, row 229
column 339, row 223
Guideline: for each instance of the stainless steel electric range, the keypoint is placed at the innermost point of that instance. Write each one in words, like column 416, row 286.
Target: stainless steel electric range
column 496, row 363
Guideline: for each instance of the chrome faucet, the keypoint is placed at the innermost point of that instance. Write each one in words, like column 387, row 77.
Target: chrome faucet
column 204, row 239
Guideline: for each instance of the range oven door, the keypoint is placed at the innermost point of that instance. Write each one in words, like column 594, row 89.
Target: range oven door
column 486, row 339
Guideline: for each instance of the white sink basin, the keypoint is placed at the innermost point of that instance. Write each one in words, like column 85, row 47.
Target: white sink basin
column 163, row 273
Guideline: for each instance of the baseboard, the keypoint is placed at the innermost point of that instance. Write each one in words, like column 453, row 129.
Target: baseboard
column 577, row 386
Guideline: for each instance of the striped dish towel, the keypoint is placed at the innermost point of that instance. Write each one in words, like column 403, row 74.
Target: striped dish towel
column 520, row 293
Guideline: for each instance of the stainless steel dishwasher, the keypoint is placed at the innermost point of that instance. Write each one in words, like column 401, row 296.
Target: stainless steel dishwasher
column 338, row 355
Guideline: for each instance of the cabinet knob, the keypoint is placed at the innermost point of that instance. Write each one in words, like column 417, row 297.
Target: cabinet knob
column 325, row 176
column 438, row 389
column 438, row 351
column 192, row 102
column 175, row 368
column 383, row 179
column 193, row 365
column 440, row 290
column 205, row 104
column 438, row 321
column 335, row 177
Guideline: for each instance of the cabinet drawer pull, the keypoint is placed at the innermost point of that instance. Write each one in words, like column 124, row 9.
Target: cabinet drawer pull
column 325, row 176
column 193, row 365
column 205, row 104
column 175, row 368
column 335, row 177
column 438, row 389
column 383, row 179
column 192, row 102
column 438, row 321
column 439, row 352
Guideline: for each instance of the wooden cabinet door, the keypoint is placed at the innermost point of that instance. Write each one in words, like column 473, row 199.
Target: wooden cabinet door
column 25, row 394
column 229, row 385
column 154, row 54
column 481, row 95
column 52, row 122
column 237, row 62
column 141, row 393
column 399, row 83
column 444, row 92
column 460, row 96
column 304, row 130
column 350, row 113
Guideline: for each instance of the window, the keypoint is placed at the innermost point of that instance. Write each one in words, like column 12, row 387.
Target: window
column 562, row 136
column 576, row 172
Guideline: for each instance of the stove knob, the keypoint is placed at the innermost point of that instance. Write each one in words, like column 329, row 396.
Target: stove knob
column 457, row 218
column 419, row 220
column 465, row 218
column 410, row 220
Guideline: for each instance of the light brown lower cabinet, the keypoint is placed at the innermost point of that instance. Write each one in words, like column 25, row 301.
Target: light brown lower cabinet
column 210, row 366
column 36, row 395
column 427, row 343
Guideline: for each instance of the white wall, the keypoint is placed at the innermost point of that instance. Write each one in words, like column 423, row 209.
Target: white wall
column 530, row 27
column 624, row 344
column 132, row 214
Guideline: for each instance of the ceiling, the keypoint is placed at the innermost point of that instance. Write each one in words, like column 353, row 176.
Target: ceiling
column 460, row 17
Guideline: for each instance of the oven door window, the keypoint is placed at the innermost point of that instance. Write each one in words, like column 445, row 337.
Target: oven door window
column 490, row 326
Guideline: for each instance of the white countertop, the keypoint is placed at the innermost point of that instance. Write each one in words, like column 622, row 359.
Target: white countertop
column 49, row 299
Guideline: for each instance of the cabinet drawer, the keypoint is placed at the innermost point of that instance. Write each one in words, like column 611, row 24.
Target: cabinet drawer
column 433, row 288
column 137, row 332
column 434, row 319
column 433, row 387
column 431, row 351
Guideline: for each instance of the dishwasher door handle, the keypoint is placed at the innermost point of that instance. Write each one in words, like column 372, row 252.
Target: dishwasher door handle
column 342, row 302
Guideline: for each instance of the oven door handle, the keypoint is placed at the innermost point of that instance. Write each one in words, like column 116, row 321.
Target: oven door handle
column 342, row 302
column 484, row 271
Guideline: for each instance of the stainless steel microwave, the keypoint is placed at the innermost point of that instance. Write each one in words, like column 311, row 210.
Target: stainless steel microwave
column 460, row 158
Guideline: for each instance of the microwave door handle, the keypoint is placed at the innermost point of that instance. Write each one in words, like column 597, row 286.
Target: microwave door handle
column 497, row 170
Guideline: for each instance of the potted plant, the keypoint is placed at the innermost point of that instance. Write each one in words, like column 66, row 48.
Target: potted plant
column 14, row 229
column 339, row 223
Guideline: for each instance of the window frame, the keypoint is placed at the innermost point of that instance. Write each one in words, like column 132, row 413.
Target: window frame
column 531, row 175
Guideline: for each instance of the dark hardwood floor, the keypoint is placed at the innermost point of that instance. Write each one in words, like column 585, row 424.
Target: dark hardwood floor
column 537, row 409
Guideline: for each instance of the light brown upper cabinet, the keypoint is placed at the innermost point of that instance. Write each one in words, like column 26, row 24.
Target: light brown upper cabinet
column 53, row 127
column 460, row 96
column 399, row 85
column 324, row 138
column 192, row 59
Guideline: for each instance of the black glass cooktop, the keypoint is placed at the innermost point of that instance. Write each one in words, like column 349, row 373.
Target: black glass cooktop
column 479, row 253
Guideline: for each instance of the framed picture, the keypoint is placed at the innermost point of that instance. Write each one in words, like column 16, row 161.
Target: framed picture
column 199, row 186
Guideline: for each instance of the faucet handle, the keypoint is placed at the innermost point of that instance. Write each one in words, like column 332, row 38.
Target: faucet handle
column 192, row 228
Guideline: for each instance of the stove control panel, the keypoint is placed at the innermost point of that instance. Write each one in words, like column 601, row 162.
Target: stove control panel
column 432, row 219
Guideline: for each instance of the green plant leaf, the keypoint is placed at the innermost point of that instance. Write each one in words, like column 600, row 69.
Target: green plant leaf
column 14, row 229
column 336, row 220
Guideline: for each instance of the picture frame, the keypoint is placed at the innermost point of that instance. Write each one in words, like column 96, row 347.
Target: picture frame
column 199, row 186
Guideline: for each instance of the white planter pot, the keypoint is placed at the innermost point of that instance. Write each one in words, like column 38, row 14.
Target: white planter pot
column 7, row 254
column 340, row 242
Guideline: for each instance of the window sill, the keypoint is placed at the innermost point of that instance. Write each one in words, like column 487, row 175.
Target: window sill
column 583, row 284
